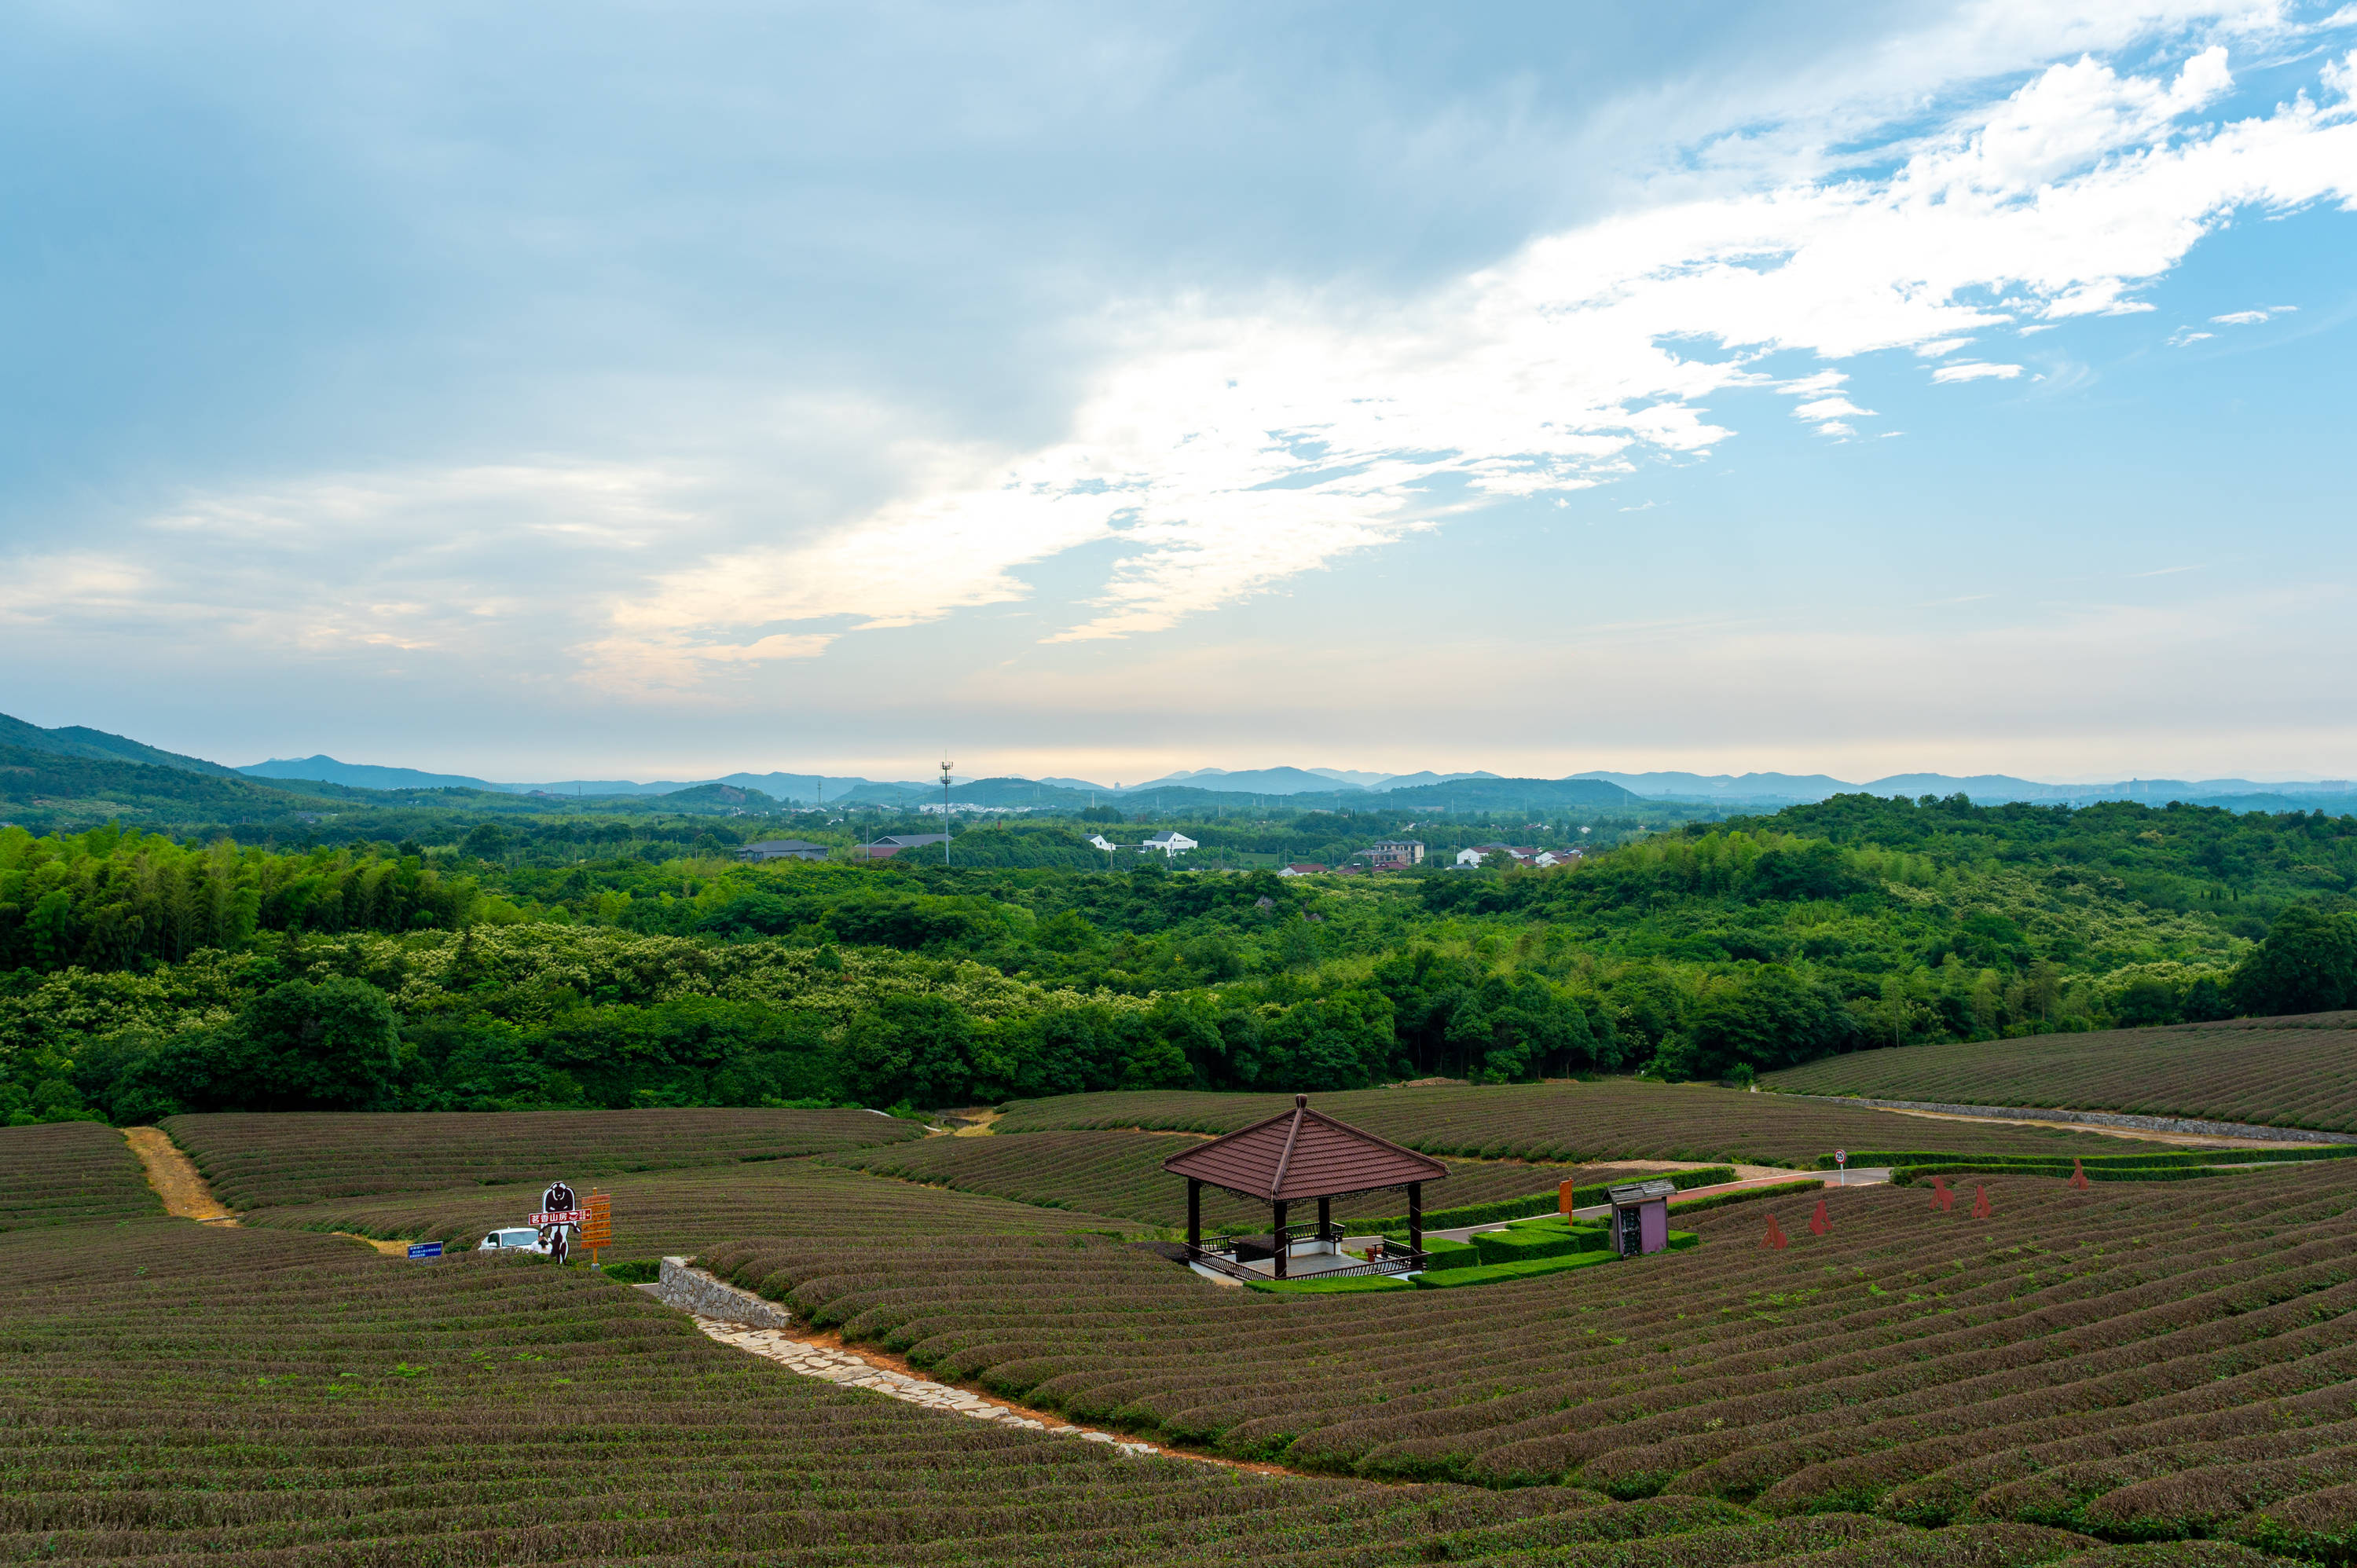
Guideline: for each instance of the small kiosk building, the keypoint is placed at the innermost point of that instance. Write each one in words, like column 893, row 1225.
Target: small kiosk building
column 1641, row 1217
column 1294, row 1157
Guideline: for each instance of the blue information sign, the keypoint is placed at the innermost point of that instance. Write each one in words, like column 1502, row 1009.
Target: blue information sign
column 424, row 1249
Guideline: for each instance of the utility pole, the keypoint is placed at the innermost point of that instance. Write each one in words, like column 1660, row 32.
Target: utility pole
column 946, row 765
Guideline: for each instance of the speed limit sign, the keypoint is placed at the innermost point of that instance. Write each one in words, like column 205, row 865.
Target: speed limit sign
column 1840, row 1158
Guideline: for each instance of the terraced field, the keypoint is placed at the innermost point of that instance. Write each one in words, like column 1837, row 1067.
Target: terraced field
column 266, row 1160
column 1570, row 1124
column 2082, row 1369
column 1121, row 1173
column 245, row 1398
column 70, row 1173
column 2277, row 1072
column 2134, row 1361
column 680, row 1211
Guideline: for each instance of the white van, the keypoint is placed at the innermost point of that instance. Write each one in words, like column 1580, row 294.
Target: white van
column 520, row 1238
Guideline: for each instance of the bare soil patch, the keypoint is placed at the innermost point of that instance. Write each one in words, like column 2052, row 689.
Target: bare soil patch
column 175, row 1178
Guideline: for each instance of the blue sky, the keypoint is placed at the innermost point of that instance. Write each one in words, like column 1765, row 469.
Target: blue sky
column 635, row 390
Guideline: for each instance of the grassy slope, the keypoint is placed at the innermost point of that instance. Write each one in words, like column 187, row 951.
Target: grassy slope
column 254, row 1160
column 2161, row 1367
column 1613, row 1120
column 2283, row 1072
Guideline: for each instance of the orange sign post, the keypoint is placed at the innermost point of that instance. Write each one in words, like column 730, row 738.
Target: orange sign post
column 599, row 1230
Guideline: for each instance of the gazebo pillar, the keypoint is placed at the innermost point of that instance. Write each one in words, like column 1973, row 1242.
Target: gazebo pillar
column 1415, row 1216
column 1276, row 1235
column 1325, row 1216
column 1195, row 1213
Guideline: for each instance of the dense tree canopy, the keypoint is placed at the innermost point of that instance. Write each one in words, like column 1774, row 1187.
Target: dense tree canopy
column 524, row 961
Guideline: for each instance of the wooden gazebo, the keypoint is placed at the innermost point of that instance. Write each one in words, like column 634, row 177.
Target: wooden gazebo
column 1292, row 1157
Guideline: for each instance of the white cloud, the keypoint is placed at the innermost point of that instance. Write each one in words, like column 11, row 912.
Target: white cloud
column 1229, row 451
column 2252, row 317
column 1225, row 447
column 1974, row 371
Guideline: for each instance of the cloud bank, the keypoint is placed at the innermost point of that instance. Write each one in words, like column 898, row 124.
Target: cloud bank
column 1225, row 452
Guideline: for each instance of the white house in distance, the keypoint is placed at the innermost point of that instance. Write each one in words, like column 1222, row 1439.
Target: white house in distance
column 1170, row 844
column 1300, row 868
column 1100, row 843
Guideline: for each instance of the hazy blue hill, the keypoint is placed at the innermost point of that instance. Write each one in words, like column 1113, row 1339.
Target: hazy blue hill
column 45, row 790
column 1252, row 781
column 73, row 740
column 326, row 770
column 1807, row 788
column 1493, row 794
column 720, row 795
column 1411, row 780
column 1016, row 792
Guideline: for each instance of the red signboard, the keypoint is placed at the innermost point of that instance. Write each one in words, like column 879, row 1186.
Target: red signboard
column 557, row 1216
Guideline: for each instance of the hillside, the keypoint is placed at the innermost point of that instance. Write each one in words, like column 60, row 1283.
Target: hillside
column 73, row 740
column 2298, row 1072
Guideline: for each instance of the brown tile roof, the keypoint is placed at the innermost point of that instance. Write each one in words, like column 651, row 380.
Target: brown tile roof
column 1302, row 1154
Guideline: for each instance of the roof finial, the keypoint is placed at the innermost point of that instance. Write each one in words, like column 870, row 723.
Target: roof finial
column 1300, row 1101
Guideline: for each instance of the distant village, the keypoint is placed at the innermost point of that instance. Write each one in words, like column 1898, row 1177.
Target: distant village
column 1384, row 854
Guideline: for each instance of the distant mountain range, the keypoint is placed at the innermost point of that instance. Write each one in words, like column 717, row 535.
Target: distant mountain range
column 1312, row 786
column 1983, row 788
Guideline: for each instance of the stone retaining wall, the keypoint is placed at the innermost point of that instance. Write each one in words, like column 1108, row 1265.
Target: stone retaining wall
column 708, row 1295
column 2099, row 1118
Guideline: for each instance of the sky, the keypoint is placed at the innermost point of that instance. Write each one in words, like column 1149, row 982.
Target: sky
column 663, row 390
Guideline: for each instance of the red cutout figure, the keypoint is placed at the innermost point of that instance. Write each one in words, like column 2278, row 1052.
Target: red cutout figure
column 1941, row 1198
column 1775, row 1240
column 2078, row 1176
column 1980, row 1202
column 1819, row 1223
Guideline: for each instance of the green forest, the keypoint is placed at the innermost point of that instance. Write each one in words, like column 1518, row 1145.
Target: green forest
column 575, row 957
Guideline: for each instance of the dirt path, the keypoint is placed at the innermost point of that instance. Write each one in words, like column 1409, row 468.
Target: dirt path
column 823, row 1353
column 186, row 1196
column 2140, row 1134
column 174, row 1176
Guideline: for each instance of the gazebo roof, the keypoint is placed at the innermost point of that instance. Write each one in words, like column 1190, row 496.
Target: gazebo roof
column 1303, row 1154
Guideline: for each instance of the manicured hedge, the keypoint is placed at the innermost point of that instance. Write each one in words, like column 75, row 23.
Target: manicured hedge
column 1520, row 1245
column 1721, row 1200
column 1352, row 1284
column 1906, row 1175
column 1550, row 1202
column 1896, row 1158
column 1490, row 1273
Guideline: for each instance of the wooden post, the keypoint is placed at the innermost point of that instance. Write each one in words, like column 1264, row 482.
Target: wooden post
column 1415, row 1216
column 1325, row 1216
column 1276, row 1230
column 1194, row 1213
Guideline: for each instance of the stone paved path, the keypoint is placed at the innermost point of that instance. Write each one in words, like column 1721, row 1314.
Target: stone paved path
column 855, row 1372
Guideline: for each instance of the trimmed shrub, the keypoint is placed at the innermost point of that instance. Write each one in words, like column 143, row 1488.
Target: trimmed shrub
column 1348, row 1285
column 1490, row 1273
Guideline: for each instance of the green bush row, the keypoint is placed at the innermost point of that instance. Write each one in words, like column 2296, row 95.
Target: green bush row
column 1720, row 1199
column 1530, row 1267
column 1906, row 1175
column 1348, row 1286
column 1541, row 1202
column 1896, row 1158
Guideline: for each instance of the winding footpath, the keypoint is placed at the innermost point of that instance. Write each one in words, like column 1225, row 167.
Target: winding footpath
column 743, row 1321
column 174, row 1176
